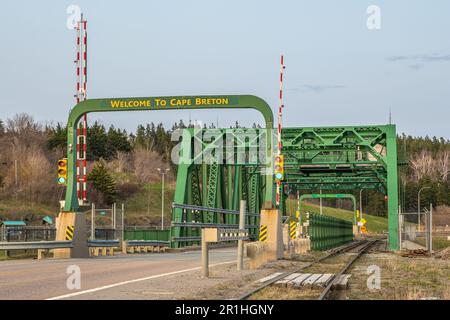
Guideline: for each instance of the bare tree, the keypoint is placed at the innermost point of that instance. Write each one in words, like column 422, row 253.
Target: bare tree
column 443, row 164
column 422, row 165
column 145, row 165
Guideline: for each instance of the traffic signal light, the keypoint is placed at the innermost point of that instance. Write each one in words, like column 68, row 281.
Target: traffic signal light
column 279, row 167
column 62, row 171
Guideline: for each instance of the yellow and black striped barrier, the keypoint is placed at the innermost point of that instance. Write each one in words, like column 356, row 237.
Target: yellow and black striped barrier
column 293, row 229
column 69, row 232
column 263, row 233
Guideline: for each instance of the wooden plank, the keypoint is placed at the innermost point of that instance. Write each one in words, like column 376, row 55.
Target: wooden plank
column 308, row 283
column 286, row 279
column 342, row 282
column 269, row 277
column 323, row 280
column 297, row 282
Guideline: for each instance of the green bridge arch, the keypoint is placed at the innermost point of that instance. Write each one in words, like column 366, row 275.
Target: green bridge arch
column 162, row 103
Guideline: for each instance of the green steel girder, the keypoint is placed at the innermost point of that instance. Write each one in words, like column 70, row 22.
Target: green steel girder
column 344, row 158
column 224, row 180
column 331, row 147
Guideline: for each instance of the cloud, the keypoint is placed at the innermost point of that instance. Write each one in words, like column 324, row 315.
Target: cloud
column 318, row 88
column 416, row 66
column 434, row 57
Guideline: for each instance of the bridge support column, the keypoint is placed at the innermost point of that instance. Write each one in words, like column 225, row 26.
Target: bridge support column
column 272, row 219
column 392, row 188
column 79, row 238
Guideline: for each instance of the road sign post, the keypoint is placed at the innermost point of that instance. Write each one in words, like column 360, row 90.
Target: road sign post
column 218, row 235
column 205, row 254
column 240, row 258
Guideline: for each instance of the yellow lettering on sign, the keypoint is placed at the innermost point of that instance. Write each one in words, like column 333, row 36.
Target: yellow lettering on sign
column 180, row 102
column 130, row 103
column 211, row 101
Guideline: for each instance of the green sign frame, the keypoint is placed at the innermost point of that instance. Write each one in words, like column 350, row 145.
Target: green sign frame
column 209, row 102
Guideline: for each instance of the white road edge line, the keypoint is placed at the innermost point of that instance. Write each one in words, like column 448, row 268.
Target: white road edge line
column 78, row 293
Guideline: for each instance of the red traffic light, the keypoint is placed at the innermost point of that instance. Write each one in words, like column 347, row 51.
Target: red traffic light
column 62, row 163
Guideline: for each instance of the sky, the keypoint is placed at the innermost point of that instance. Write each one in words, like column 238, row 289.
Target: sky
column 338, row 71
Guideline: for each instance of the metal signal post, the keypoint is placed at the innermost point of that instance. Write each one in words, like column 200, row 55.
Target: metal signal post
column 279, row 145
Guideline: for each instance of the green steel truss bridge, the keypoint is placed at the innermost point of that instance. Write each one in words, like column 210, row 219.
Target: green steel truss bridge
column 219, row 170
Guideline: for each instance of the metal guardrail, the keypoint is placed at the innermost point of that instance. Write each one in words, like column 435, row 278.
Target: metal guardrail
column 103, row 243
column 186, row 239
column 216, row 210
column 31, row 245
column 132, row 243
column 210, row 225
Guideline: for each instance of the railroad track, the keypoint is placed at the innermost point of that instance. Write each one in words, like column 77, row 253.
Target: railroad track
column 361, row 246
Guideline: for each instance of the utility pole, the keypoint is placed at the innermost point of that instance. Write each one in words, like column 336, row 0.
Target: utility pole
column 123, row 222
column 418, row 206
column 16, row 180
column 93, row 221
column 163, row 173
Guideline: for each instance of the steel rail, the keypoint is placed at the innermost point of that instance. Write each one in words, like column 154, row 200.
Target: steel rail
column 363, row 250
column 336, row 251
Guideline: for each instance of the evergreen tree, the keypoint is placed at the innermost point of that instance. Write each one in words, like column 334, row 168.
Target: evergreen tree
column 103, row 182
column 97, row 142
column 57, row 137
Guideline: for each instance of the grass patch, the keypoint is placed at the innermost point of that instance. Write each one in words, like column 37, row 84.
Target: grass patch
column 374, row 223
column 144, row 207
column 438, row 242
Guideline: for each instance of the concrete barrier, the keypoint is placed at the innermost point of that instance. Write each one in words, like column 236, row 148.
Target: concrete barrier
column 301, row 246
column 142, row 248
column 258, row 252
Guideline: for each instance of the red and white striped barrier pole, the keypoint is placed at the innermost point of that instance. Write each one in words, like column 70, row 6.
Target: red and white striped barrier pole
column 81, row 95
column 85, row 115
column 280, row 118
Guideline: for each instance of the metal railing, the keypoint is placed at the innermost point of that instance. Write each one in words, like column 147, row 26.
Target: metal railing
column 33, row 245
column 148, row 243
column 103, row 243
column 28, row 233
column 328, row 232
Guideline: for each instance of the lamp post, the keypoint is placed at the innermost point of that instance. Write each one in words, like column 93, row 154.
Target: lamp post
column 360, row 203
column 418, row 205
column 163, row 173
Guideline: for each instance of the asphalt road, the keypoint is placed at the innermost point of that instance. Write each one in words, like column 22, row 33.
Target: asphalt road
column 46, row 279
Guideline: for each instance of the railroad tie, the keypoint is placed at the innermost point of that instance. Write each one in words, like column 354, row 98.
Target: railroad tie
column 269, row 277
column 297, row 282
column 283, row 282
column 324, row 280
column 309, row 283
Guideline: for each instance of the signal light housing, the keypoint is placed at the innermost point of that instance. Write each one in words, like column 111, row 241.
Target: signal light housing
column 279, row 167
column 62, row 171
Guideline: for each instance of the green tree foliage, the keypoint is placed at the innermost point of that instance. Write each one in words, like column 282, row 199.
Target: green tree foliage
column 103, row 182
column 56, row 137
column 2, row 128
